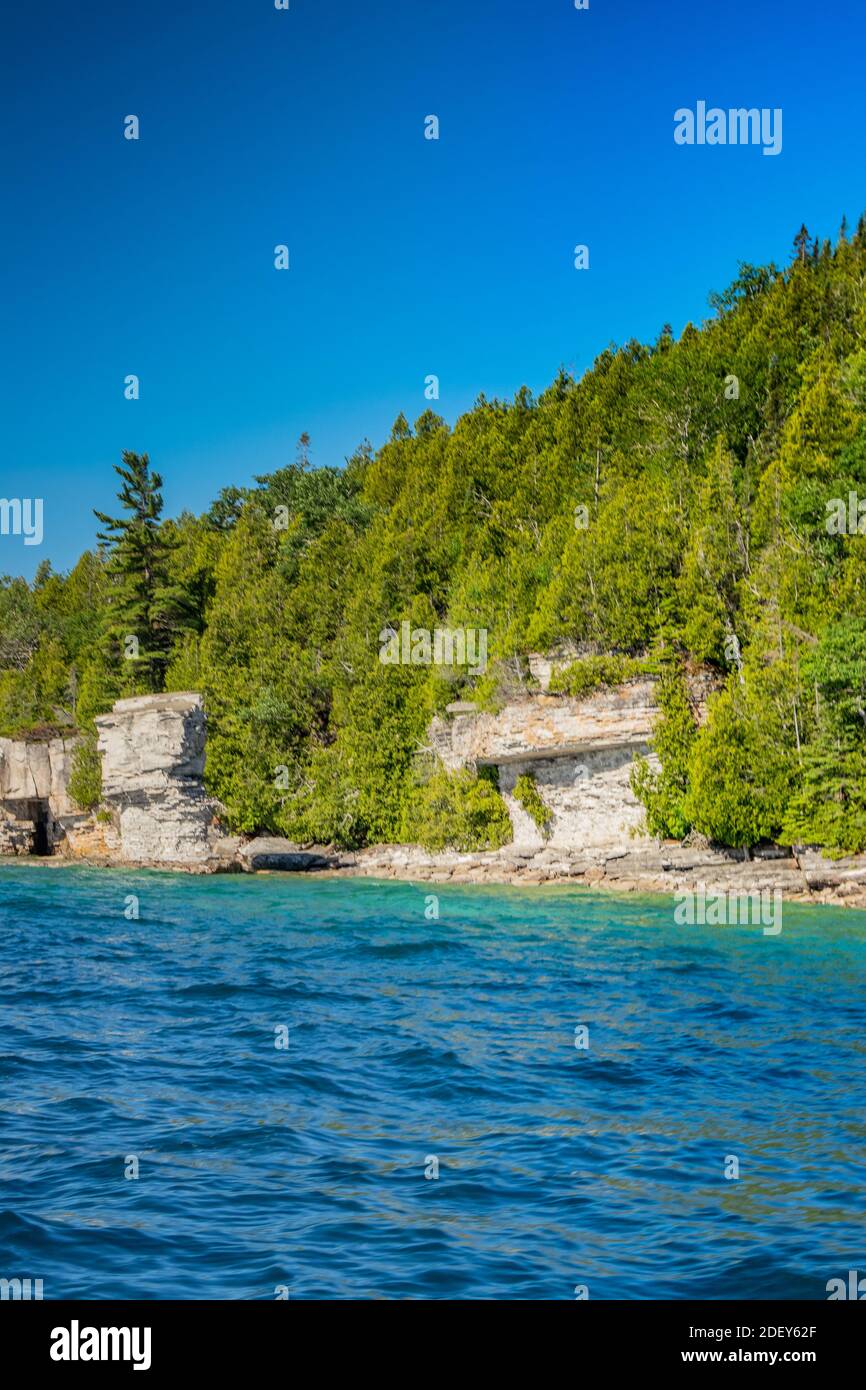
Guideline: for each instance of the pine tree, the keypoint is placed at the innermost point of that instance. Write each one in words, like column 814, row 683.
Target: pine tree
column 714, row 562
column 801, row 243
column 144, row 612
column 302, row 456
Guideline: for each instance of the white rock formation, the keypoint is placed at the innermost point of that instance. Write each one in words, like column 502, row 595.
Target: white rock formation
column 549, row 725
column 580, row 753
column 36, row 770
column 542, row 665
column 153, row 751
column 35, row 807
column 274, row 852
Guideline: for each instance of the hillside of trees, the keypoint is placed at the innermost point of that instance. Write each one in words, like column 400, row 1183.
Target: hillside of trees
column 689, row 505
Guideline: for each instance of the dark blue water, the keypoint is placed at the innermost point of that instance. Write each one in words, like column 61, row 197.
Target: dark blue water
column 411, row 1038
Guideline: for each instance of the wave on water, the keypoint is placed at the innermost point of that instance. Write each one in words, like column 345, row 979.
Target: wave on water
column 307, row 1083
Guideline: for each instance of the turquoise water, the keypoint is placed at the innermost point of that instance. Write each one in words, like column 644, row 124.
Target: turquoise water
column 410, row 1039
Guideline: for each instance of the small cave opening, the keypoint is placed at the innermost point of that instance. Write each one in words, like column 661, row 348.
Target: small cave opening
column 38, row 813
column 41, row 841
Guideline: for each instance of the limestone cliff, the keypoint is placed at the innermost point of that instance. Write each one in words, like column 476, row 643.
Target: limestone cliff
column 580, row 753
column 153, row 753
column 35, row 807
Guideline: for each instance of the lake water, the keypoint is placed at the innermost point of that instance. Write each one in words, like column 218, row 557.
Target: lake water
column 411, row 1040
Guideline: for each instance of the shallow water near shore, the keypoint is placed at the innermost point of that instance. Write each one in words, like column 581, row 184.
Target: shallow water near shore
column 410, row 1038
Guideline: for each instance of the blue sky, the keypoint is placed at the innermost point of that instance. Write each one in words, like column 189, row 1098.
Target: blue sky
column 408, row 256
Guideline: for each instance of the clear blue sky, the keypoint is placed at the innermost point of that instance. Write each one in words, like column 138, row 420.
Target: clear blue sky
column 408, row 256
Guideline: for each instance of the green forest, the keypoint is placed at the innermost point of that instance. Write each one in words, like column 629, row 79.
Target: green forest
column 686, row 506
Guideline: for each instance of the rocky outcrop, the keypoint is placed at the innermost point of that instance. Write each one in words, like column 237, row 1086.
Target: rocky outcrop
column 93, row 838
column 545, row 726
column 842, row 878
column 579, row 753
column 17, row 833
column 153, row 752
column 35, row 770
column 36, row 809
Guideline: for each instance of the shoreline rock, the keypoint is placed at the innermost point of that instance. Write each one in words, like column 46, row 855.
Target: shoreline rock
column 578, row 752
column 665, row 868
column 655, row 868
column 153, row 755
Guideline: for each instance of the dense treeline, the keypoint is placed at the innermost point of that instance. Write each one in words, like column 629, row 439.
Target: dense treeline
column 693, row 504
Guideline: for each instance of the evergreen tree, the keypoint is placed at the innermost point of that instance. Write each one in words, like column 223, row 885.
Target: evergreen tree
column 830, row 809
column 674, row 498
column 801, row 243
column 664, row 791
column 145, row 611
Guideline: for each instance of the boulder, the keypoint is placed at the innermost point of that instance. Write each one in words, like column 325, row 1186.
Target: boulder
column 821, row 873
column 272, row 852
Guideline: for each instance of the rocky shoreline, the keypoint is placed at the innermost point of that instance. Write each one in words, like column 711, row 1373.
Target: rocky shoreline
column 156, row 814
column 668, row 868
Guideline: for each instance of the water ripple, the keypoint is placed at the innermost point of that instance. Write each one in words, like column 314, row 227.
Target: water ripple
column 410, row 1044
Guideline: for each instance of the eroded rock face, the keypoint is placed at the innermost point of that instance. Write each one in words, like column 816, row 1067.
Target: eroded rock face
column 579, row 751
column 549, row 726
column 35, row 806
column 153, row 751
column 37, row 771
column 17, row 835
column 589, row 797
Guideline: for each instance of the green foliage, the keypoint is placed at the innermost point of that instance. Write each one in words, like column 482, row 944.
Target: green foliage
column 663, row 791
column 85, row 782
column 458, row 810
column 526, row 793
column 715, row 562
column 591, row 672
column 97, row 686
column 37, row 697
column 645, row 507
column 742, row 772
column 830, row 807
column 147, row 605
column 184, row 671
